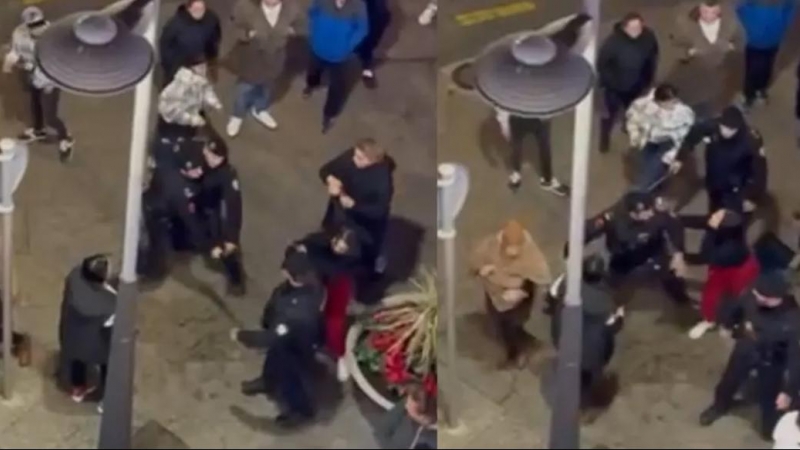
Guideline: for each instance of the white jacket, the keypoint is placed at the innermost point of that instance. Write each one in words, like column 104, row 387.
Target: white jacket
column 787, row 435
column 647, row 122
column 182, row 100
column 23, row 55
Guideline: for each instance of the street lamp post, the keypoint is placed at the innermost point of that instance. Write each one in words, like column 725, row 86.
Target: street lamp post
column 99, row 54
column 453, row 187
column 13, row 163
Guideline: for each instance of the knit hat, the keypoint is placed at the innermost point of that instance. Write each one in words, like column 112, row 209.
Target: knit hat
column 732, row 117
column 772, row 285
column 33, row 17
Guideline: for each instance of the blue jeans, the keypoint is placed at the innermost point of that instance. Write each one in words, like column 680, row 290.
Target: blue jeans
column 249, row 97
column 652, row 168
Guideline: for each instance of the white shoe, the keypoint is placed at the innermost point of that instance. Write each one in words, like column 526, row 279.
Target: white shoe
column 342, row 371
column 266, row 119
column 234, row 126
column 100, row 408
column 427, row 16
column 700, row 330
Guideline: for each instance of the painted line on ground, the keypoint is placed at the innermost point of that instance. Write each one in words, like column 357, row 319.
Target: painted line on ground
column 479, row 16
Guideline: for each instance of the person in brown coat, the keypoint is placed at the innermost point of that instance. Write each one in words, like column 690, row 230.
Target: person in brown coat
column 510, row 266
column 708, row 35
column 263, row 29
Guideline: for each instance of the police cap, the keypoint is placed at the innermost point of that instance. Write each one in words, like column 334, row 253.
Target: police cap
column 772, row 285
column 638, row 201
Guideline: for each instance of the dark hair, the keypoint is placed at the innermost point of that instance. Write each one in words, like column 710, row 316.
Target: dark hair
column 350, row 238
column 630, row 17
column 665, row 92
column 193, row 60
column 711, row 3
column 594, row 269
column 370, row 147
column 423, row 398
column 95, row 268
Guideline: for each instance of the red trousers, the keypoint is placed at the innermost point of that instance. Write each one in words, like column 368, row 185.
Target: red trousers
column 339, row 291
column 726, row 281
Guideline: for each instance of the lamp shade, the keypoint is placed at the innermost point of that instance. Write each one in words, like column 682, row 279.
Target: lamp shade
column 453, row 186
column 92, row 53
column 534, row 74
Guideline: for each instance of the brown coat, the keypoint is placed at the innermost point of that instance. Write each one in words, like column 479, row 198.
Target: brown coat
column 261, row 59
column 711, row 62
column 531, row 265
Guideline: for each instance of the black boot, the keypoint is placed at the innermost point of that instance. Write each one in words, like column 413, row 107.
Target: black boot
column 254, row 387
column 711, row 415
column 288, row 420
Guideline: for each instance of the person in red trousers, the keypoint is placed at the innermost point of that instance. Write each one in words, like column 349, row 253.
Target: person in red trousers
column 335, row 256
column 732, row 267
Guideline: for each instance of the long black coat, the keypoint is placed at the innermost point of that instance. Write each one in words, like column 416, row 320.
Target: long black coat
column 85, row 309
column 185, row 39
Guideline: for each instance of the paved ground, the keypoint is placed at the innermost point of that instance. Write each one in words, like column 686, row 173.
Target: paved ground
column 666, row 379
column 188, row 373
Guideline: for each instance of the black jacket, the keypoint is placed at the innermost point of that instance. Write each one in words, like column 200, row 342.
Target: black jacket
column 172, row 196
column 735, row 166
column 85, row 309
column 221, row 201
column 598, row 335
column 372, row 190
column 726, row 247
column 628, row 65
column 292, row 314
column 636, row 241
column 327, row 263
column 183, row 38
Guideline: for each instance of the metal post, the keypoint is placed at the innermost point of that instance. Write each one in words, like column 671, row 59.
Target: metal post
column 115, row 429
column 565, row 425
column 447, row 235
column 7, row 210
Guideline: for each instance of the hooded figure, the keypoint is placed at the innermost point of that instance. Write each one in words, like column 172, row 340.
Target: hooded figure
column 706, row 35
column 602, row 320
column 510, row 266
column 735, row 165
column 87, row 312
column 194, row 32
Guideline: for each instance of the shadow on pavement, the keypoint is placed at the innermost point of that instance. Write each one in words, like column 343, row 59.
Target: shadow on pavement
column 403, row 250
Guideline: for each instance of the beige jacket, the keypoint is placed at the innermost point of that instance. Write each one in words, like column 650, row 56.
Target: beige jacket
column 531, row 265
column 689, row 35
column 259, row 56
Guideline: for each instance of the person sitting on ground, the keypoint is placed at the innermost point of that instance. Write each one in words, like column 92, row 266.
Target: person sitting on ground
column 510, row 266
column 657, row 124
column 411, row 423
column 87, row 319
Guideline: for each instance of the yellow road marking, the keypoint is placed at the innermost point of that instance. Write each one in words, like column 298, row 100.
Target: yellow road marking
column 496, row 12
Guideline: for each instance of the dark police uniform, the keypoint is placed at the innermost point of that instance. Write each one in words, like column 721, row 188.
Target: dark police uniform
column 291, row 328
column 221, row 203
column 168, row 206
column 640, row 246
column 767, row 341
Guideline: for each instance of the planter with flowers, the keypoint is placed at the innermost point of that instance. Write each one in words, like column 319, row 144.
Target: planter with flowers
column 396, row 344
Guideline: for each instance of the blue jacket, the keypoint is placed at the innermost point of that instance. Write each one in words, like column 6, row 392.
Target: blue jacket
column 766, row 21
column 336, row 32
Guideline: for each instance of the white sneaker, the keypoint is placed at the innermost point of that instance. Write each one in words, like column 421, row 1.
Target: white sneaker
column 342, row 371
column 266, row 119
column 427, row 16
column 234, row 126
column 100, row 408
column 700, row 330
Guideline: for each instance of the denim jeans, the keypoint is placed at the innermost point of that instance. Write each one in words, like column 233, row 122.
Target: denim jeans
column 652, row 168
column 250, row 97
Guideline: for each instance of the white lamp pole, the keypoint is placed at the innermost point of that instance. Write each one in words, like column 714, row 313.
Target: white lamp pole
column 115, row 429
column 13, row 163
column 565, row 425
column 453, row 187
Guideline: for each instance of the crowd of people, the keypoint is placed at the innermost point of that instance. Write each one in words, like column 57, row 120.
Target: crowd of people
column 193, row 201
column 746, row 295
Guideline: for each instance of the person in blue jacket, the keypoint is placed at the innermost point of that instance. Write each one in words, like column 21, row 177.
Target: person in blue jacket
column 336, row 28
column 765, row 23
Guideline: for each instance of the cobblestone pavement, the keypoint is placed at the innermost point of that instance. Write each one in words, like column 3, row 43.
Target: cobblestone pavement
column 666, row 380
column 188, row 372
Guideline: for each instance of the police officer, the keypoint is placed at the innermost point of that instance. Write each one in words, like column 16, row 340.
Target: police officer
column 734, row 159
column 642, row 237
column 169, row 207
column 291, row 332
column 765, row 322
column 221, row 207
column 602, row 320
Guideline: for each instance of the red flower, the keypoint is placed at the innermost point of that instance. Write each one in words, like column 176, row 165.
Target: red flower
column 395, row 367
